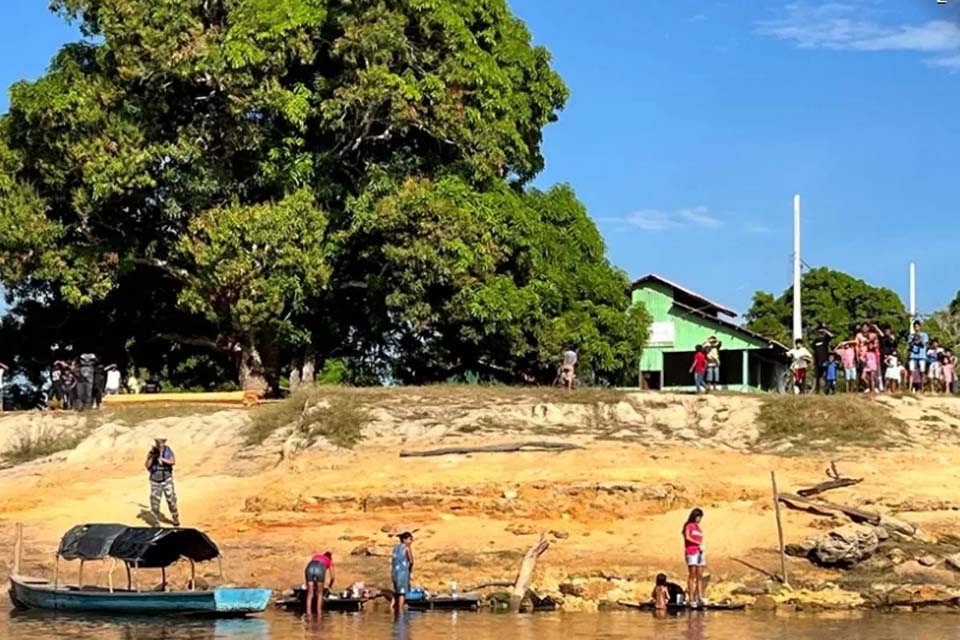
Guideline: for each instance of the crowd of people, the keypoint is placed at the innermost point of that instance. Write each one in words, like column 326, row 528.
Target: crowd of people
column 80, row 384
column 872, row 362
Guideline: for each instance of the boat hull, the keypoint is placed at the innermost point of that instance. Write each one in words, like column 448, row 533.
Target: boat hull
column 230, row 602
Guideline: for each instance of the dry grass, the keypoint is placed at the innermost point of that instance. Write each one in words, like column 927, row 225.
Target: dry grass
column 823, row 423
column 335, row 413
column 134, row 415
column 42, row 443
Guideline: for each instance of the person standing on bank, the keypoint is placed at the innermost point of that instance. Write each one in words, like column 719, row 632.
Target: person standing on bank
column 712, row 350
column 318, row 570
column 821, row 354
column 693, row 553
column 160, row 463
column 401, row 567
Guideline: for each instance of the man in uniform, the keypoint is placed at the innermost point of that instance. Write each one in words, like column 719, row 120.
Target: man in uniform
column 160, row 462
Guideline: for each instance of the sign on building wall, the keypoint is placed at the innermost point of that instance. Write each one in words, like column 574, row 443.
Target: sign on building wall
column 662, row 334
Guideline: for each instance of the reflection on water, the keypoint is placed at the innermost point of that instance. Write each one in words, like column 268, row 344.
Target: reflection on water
column 374, row 625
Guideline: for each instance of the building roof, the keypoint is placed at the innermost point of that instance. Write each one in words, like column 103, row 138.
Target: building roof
column 731, row 325
column 687, row 298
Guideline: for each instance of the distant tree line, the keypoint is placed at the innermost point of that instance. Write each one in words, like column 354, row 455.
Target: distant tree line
column 843, row 303
column 232, row 192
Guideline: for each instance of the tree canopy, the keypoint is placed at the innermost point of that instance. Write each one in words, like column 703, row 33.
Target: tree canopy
column 834, row 298
column 274, row 179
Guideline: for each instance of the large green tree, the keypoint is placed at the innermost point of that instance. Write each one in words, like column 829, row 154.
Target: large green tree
column 834, row 298
column 300, row 176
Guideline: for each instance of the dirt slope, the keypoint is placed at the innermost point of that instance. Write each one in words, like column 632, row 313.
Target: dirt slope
column 612, row 509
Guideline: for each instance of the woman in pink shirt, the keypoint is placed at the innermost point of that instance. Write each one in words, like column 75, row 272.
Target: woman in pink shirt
column 693, row 552
column 319, row 577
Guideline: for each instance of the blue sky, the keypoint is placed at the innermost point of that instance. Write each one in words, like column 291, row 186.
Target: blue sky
column 691, row 124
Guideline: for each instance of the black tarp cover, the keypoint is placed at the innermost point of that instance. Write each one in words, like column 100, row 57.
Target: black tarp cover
column 149, row 547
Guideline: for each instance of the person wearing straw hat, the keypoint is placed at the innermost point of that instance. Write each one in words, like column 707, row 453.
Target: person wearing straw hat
column 160, row 462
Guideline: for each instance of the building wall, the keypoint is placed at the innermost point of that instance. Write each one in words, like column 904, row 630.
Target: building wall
column 689, row 329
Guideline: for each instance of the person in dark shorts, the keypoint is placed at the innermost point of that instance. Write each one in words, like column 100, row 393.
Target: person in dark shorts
column 821, row 354
column 319, row 577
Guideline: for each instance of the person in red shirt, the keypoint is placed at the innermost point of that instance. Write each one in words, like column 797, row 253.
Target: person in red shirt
column 699, row 368
column 319, row 576
column 693, row 553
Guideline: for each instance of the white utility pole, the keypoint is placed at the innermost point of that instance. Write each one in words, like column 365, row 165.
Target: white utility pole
column 913, row 294
column 797, row 324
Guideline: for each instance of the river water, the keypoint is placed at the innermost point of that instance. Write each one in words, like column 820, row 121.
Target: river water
column 627, row 625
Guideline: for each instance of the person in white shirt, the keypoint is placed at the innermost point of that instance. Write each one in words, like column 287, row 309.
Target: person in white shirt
column 800, row 360
column 893, row 374
column 112, row 386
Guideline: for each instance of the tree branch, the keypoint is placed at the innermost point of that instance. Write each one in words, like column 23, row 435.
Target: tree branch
column 180, row 274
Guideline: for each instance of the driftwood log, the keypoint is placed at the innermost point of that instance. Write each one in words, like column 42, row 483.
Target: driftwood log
column 489, row 585
column 522, row 584
column 836, row 481
column 492, row 448
column 824, row 508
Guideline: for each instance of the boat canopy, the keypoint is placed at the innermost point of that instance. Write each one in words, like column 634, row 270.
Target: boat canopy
column 148, row 547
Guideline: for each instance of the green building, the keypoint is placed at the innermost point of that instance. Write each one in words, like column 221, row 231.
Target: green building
column 683, row 319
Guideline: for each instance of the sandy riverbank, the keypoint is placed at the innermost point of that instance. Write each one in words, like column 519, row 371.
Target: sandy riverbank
column 613, row 509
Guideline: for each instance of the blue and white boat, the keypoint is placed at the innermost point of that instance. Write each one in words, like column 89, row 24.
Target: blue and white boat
column 137, row 548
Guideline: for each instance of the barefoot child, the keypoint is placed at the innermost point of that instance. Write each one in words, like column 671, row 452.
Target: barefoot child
column 893, row 375
column 848, row 357
column 661, row 595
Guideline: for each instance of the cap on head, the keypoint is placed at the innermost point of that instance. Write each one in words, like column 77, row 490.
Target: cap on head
column 159, row 439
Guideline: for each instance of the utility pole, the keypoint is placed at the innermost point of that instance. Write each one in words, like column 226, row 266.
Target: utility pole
column 797, row 323
column 913, row 295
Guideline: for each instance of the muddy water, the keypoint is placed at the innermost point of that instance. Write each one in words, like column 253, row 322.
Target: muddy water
column 487, row 626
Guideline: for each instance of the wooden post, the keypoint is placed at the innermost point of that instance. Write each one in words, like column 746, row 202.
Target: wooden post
column 129, row 577
column 80, row 577
column 776, row 508
column 56, row 571
column 193, row 575
column 17, row 548
column 113, row 565
column 163, row 578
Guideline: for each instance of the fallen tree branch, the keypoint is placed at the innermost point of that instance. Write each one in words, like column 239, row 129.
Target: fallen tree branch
column 522, row 584
column 836, row 481
column 822, row 507
column 489, row 585
column 828, row 485
column 770, row 575
column 492, row 448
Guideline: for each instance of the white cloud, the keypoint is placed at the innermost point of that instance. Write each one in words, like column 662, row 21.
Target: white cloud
column 852, row 27
column 659, row 220
column 699, row 17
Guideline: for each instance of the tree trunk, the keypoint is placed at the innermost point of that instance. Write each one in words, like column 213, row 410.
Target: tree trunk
column 252, row 374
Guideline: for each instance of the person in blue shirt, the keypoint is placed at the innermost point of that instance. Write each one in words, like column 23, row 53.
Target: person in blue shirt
column 830, row 371
column 917, row 351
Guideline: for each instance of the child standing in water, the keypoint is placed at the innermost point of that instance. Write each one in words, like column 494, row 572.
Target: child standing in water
column 661, row 595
